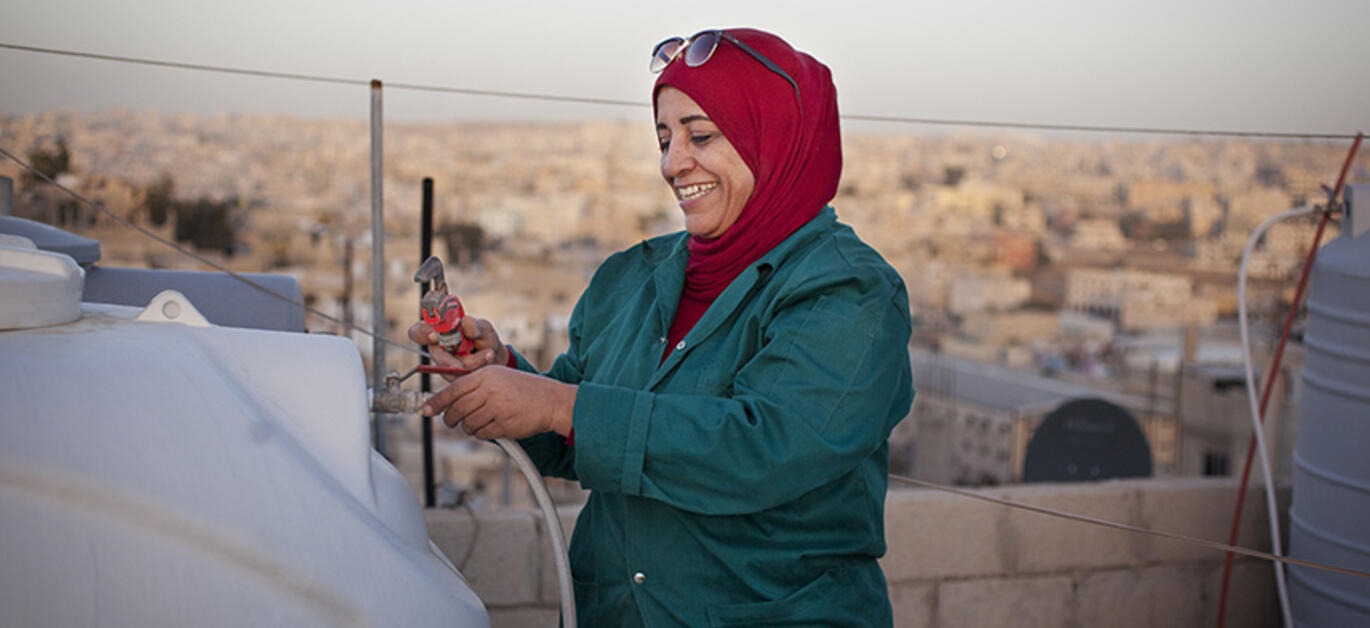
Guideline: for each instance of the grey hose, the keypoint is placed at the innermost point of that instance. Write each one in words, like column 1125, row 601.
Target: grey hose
column 549, row 512
column 394, row 400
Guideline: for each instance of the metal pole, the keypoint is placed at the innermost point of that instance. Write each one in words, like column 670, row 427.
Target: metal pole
column 346, row 304
column 6, row 196
column 426, row 249
column 378, row 326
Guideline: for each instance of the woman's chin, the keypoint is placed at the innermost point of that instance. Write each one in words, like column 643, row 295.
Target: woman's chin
column 701, row 231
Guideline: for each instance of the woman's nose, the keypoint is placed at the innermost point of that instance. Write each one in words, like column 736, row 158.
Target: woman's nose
column 677, row 159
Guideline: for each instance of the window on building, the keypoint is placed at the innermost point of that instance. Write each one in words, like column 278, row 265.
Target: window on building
column 1215, row 463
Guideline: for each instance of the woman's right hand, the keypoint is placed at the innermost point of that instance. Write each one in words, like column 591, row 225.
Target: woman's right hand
column 478, row 332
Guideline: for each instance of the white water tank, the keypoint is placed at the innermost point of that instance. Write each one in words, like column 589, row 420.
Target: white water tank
column 1330, row 514
column 156, row 470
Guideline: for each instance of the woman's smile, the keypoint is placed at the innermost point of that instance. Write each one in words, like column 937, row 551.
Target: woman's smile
column 693, row 191
column 706, row 173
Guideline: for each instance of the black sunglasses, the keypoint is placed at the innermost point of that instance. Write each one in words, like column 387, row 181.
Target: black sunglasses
column 698, row 48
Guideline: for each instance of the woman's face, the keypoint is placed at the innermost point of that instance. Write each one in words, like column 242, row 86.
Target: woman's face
column 708, row 176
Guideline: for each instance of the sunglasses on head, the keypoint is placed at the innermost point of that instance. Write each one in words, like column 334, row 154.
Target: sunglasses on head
column 698, row 48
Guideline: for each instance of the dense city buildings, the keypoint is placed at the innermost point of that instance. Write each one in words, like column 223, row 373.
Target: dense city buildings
column 1066, row 264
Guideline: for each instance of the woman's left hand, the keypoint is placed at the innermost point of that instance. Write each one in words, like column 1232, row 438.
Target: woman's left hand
column 500, row 402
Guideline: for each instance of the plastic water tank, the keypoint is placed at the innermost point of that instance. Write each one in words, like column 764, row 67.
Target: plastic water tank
column 1330, row 515
column 157, row 470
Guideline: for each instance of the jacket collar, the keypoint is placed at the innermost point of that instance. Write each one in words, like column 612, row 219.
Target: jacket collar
column 670, row 278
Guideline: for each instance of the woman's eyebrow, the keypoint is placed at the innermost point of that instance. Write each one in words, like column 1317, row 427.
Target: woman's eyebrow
column 686, row 120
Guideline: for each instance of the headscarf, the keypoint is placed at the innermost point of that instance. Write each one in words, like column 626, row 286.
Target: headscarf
column 793, row 148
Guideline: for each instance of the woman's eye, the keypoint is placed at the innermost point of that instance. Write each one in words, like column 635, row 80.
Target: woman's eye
column 700, row 139
column 663, row 143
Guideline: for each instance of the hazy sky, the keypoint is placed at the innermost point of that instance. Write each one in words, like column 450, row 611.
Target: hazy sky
column 1293, row 65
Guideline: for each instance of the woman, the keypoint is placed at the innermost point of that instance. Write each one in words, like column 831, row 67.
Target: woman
column 728, row 391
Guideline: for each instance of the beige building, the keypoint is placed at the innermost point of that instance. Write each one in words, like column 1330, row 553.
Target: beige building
column 1215, row 419
column 981, row 291
column 1097, row 234
column 1155, row 194
column 1138, row 300
column 971, row 422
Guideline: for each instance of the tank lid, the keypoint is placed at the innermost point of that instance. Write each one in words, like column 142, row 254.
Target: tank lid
column 37, row 288
column 48, row 238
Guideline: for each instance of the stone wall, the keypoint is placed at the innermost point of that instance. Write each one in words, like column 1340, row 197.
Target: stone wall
column 954, row 561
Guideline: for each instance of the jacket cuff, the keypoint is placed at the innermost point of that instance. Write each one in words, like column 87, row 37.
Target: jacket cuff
column 612, row 446
column 517, row 361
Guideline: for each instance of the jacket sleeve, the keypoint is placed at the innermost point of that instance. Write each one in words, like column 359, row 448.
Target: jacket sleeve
column 549, row 451
column 819, row 396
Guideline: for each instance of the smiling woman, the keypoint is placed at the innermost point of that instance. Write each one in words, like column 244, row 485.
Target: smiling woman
column 701, row 165
column 729, row 390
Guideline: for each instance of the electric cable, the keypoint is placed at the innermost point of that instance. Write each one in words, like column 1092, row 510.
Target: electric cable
column 1257, row 412
column 1257, row 415
column 634, row 103
column 1096, row 128
column 475, row 536
column 322, row 79
column 1273, row 372
column 200, row 258
column 554, row 527
column 1205, row 543
column 511, row 448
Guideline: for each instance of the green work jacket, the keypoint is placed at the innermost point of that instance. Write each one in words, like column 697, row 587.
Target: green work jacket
column 741, row 482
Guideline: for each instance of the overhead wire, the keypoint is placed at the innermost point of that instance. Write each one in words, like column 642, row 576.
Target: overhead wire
column 198, row 257
column 1258, row 412
column 1233, row 549
column 1041, row 126
column 318, row 78
column 1213, row 545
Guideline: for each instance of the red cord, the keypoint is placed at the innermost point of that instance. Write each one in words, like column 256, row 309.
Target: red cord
column 442, row 370
column 1270, row 382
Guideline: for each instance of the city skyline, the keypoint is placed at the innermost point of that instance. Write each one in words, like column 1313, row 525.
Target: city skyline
column 1214, row 65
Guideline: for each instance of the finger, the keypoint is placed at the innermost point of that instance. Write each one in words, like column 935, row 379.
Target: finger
column 482, row 419
column 471, row 327
column 490, row 431
column 462, row 411
column 438, row 402
column 443, row 357
column 481, row 333
column 422, row 333
column 451, row 419
column 478, row 359
column 447, row 396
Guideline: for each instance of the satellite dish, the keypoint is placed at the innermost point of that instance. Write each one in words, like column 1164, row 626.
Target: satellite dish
column 1086, row 440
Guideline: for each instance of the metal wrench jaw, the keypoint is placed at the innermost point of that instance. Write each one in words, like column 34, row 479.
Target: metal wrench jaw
column 439, row 308
column 431, row 270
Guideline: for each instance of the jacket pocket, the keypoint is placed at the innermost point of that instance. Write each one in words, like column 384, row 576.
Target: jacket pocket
column 811, row 605
column 600, row 605
column 715, row 383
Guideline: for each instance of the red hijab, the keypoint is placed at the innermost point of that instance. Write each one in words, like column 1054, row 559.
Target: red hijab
column 793, row 149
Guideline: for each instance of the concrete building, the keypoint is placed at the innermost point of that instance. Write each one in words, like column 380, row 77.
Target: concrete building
column 1138, row 300
column 955, row 562
column 1098, row 234
column 986, row 291
column 1156, row 194
column 1016, row 250
column 971, row 422
column 1215, row 423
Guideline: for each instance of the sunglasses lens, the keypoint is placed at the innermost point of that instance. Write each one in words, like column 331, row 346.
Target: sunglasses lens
column 701, row 48
column 664, row 52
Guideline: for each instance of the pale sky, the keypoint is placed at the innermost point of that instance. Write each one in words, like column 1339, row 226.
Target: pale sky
column 1251, row 65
